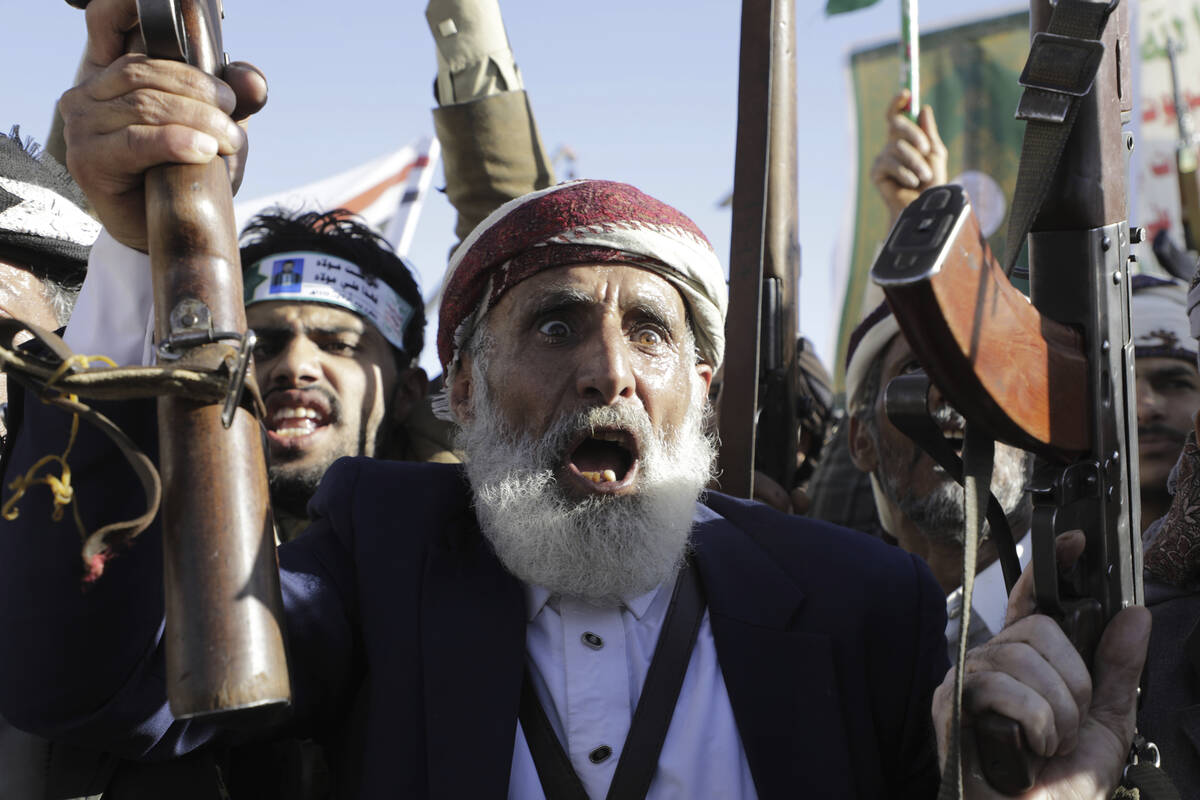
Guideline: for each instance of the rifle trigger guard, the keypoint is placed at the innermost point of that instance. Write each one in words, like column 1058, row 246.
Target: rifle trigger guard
column 237, row 379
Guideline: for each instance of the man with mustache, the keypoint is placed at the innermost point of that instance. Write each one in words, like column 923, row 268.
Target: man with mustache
column 1168, row 385
column 337, row 347
column 918, row 503
column 494, row 629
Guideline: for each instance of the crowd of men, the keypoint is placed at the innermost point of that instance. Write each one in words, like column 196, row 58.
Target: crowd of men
column 519, row 579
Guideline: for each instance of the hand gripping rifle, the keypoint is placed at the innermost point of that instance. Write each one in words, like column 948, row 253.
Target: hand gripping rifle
column 1054, row 377
column 224, row 638
column 759, row 424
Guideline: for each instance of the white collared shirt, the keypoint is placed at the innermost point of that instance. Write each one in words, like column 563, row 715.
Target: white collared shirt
column 588, row 666
column 989, row 600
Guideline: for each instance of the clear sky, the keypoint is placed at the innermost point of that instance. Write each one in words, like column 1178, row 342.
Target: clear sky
column 644, row 91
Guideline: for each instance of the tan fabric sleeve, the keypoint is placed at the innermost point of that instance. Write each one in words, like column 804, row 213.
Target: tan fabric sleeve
column 473, row 55
column 491, row 153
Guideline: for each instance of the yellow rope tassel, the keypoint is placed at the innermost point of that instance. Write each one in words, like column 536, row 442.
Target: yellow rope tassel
column 60, row 485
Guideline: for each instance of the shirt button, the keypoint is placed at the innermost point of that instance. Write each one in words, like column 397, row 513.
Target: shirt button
column 593, row 641
column 600, row 754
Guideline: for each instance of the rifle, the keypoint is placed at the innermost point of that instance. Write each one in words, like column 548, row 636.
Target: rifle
column 758, row 424
column 224, row 641
column 1055, row 377
column 1185, row 155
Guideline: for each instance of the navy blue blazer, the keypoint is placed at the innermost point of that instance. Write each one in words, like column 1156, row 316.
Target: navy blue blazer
column 406, row 636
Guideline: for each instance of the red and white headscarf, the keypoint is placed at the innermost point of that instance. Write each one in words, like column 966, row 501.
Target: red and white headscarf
column 582, row 222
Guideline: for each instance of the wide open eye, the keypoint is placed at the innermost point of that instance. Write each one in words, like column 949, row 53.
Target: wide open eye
column 554, row 329
column 648, row 336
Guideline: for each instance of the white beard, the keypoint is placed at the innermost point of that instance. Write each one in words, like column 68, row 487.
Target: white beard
column 601, row 548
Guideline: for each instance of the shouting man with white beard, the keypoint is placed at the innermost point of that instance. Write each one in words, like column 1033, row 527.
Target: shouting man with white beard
column 568, row 615
column 919, row 504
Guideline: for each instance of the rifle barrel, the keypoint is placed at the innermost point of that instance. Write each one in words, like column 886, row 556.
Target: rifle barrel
column 225, row 649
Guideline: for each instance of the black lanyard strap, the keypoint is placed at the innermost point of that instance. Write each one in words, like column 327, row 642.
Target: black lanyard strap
column 651, row 719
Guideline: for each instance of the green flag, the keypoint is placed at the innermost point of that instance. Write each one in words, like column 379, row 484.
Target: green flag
column 842, row 6
column 969, row 75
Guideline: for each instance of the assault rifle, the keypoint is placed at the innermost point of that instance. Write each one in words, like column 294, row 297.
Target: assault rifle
column 1054, row 377
column 224, row 642
column 1185, row 155
column 759, row 425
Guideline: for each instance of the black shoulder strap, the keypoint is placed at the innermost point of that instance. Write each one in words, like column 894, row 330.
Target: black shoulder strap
column 558, row 777
column 1063, row 61
column 648, row 730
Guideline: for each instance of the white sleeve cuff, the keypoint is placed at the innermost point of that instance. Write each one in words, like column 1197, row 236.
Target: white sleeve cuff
column 114, row 315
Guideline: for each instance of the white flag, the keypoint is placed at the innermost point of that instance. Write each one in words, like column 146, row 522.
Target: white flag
column 387, row 192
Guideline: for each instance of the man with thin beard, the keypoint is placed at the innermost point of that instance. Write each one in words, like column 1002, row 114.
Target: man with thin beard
column 918, row 503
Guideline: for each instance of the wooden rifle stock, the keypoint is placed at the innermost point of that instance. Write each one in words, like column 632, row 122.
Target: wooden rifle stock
column 758, row 423
column 224, row 638
column 987, row 349
column 1054, row 377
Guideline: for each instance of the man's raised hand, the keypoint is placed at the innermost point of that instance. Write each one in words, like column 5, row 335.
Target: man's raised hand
column 131, row 113
column 913, row 159
column 1078, row 727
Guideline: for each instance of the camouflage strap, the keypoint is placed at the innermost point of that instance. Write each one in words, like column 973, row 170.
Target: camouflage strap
column 1143, row 778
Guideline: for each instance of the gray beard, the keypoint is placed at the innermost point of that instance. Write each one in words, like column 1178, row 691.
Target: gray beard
column 601, row 549
column 941, row 514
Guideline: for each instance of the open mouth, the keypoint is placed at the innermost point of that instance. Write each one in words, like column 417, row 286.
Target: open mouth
column 293, row 416
column 955, row 437
column 603, row 460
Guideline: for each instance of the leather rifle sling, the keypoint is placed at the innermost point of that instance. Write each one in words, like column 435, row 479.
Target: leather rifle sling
column 651, row 719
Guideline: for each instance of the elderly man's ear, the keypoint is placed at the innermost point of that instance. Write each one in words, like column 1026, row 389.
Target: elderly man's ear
column 706, row 372
column 412, row 385
column 460, row 389
column 862, row 446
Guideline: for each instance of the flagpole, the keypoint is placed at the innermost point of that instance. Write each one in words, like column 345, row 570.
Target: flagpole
column 910, row 56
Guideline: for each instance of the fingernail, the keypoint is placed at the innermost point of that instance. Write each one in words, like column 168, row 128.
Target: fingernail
column 235, row 135
column 204, row 145
column 926, row 174
column 228, row 99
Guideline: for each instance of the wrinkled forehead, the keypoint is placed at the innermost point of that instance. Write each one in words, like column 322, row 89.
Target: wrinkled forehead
column 619, row 285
